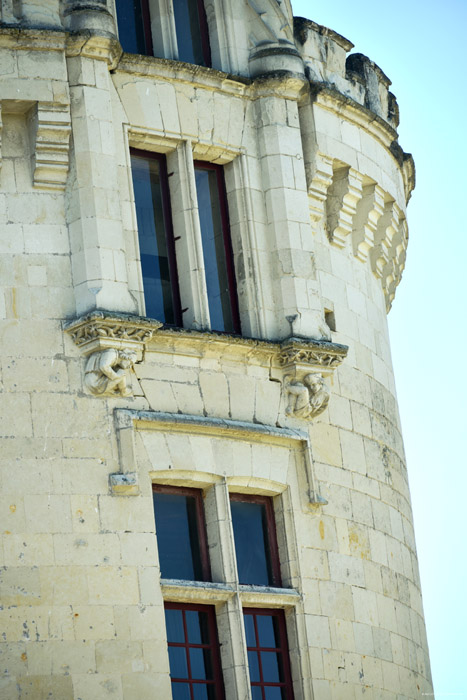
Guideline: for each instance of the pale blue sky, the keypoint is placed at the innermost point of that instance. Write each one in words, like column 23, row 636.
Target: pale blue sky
column 421, row 46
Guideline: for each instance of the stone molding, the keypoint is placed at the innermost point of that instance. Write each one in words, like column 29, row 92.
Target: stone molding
column 127, row 421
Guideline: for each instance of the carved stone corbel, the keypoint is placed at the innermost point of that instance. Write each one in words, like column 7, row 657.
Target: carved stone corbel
column 52, row 126
column 343, row 196
column 318, row 187
column 304, row 365
column 112, row 343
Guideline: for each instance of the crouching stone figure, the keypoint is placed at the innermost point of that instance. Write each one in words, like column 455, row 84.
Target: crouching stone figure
column 106, row 372
column 307, row 398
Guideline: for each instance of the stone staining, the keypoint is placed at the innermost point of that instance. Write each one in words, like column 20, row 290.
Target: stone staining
column 99, row 403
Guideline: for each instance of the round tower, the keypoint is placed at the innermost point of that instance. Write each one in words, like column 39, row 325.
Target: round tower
column 204, row 491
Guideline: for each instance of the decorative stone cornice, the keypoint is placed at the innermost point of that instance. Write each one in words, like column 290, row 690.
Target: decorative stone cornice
column 314, row 355
column 100, row 330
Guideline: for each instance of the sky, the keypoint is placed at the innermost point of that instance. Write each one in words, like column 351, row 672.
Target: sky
column 421, row 48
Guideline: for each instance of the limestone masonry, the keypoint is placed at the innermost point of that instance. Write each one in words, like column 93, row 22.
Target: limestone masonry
column 203, row 226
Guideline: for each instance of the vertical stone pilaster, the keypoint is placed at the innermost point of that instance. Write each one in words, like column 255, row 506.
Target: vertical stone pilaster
column 94, row 216
column 296, row 302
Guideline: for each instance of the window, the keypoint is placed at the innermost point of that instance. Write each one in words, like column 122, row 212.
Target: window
column 268, row 656
column 134, row 26
column 255, row 540
column 192, row 32
column 155, row 234
column 215, row 282
column 181, row 34
column 181, row 533
column 193, row 603
column 194, row 660
column 217, row 247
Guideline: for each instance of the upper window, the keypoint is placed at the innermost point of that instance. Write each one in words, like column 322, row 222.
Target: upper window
column 192, row 32
column 156, row 241
column 157, row 245
column 134, row 26
column 217, row 247
column 181, row 533
column 187, row 25
column 255, row 540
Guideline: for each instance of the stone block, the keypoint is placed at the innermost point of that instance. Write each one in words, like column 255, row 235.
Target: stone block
column 43, row 687
column 113, row 585
column 121, row 657
column 93, row 622
column 64, row 585
column 346, row 569
column 57, row 658
column 97, row 686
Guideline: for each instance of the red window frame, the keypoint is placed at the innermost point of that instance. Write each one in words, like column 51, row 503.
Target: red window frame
column 271, row 531
column 217, row 682
column 169, row 233
column 197, row 494
column 283, row 649
column 227, row 239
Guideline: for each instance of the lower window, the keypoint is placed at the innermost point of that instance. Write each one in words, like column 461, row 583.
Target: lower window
column 268, row 654
column 194, row 659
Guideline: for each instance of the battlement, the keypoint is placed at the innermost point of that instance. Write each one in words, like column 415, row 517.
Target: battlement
column 324, row 54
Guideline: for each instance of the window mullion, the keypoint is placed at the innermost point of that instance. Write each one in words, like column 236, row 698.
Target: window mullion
column 188, row 241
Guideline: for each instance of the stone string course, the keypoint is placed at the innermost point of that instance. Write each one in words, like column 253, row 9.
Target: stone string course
column 317, row 187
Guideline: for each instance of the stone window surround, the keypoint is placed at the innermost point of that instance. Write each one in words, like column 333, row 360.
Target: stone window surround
column 225, row 593
column 181, row 155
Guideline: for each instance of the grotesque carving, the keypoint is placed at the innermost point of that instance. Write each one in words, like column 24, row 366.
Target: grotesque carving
column 306, row 398
column 106, row 372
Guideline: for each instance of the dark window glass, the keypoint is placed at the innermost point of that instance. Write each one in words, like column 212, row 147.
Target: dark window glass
column 192, row 32
column 155, row 235
column 194, row 659
column 181, row 538
column 255, row 540
column 268, row 656
column 217, row 248
column 134, row 28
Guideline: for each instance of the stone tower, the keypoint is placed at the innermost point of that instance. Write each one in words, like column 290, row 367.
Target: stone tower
column 203, row 487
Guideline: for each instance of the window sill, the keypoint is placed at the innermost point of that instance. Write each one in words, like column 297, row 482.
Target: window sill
column 268, row 597
column 178, row 591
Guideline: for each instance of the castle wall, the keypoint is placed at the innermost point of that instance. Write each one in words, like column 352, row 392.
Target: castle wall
column 317, row 188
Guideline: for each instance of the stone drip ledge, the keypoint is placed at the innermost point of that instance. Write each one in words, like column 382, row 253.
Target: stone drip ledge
column 128, row 421
column 177, row 591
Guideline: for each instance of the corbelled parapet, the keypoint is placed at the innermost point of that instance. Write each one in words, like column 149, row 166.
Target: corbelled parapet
column 357, row 77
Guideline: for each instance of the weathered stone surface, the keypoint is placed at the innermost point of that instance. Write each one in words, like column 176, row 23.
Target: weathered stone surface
column 98, row 402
